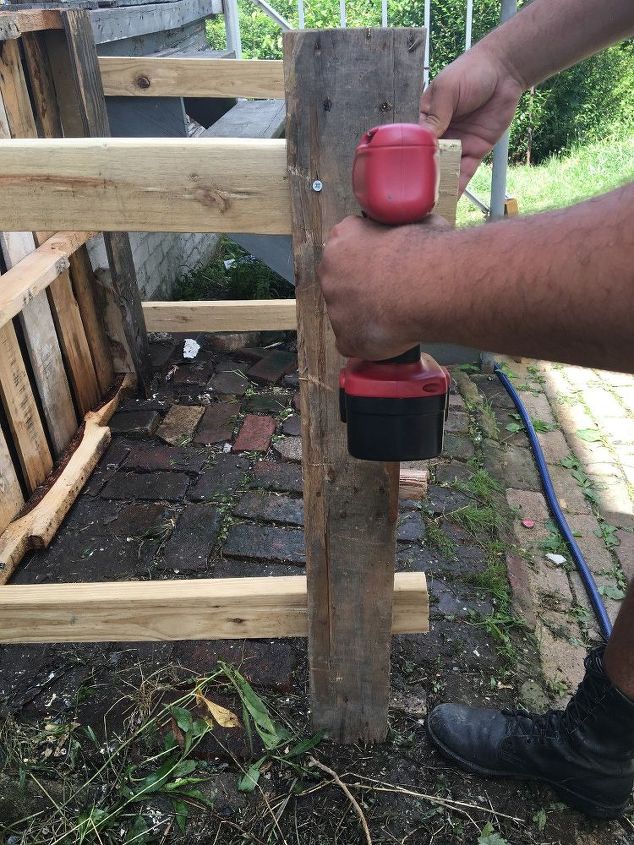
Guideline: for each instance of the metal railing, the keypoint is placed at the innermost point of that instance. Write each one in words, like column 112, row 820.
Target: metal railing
column 508, row 8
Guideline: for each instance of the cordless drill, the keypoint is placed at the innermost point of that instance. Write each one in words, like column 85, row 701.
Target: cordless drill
column 395, row 409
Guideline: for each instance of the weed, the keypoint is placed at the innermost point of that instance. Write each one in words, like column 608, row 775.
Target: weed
column 494, row 580
column 489, row 422
column 582, row 478
column 478, row 520
column 540, row 425
column 498, row 626
column 437, row 538
column 481, row 485
column 554, row 543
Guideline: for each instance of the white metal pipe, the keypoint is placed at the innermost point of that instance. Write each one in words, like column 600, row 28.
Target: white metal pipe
column 427, row 22
column 468, row 25
column 383, row 13
column 501, row 149
column 342, row 13
column 300, row 14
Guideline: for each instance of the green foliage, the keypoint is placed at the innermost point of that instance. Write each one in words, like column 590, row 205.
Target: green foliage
column 581, row 104
column 246, row 278
column 488, row 836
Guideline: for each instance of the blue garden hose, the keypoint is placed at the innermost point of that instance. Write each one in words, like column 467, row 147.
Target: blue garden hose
column 586, row 576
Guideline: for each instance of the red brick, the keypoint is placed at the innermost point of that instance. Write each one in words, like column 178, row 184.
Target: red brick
column 217, row 423
column 523, row 603
column 273, row 366
column 255, row 434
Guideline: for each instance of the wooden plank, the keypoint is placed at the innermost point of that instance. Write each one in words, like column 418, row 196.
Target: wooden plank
column 116, row 24
column 145, row 184
column 13, row 24
column 33, row 273
column 250, row 119
column 412, row 483
column 11, row 498
column 166, row 76
column 21, row 410
column 36, row 318
column 75, row 346
column 126, row 328
column 84, row 288
column 350, row 506
column 160, row 184
column 221, row 316
column 200, row 609
column 38, row 526
column 42, row 84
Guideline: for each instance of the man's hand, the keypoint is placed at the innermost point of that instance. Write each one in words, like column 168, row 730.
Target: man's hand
column 472, row 100
column 372, row 293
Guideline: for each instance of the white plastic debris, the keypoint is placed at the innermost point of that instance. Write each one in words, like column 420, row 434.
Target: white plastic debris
column 556, row 559
column 190, row 348
column 230, row 262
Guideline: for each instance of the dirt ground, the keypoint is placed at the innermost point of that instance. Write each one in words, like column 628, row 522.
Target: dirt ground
column 210, row 742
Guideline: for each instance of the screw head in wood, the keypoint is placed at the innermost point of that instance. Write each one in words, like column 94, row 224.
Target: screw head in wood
column 317, row 185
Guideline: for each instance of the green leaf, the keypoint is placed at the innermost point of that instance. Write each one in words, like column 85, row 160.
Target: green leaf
column 305, row 745
column 590, row 435
column 182, row 813
column 540, row 425
column 488, row 836
column 184, row 768
column 138, row 833
column 570, row 462
column 540, row 819
column 269, row 731
column 249, row 780
column 183, row 718
column 612, row 592
column 514, row 426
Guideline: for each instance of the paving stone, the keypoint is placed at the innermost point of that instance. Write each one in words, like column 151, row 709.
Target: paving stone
column 538, row 407
column 193, row 375
column 528, row 504
column 561, row 660
column 554, row 446
column 456, row 402
column 266, row 403
column 265, row 664
column 292, row 425
column 149, row 458
column 458, row 447
column 217, row 423
column 224, row 477
column 511, row 463
column 140, row 519
column 251, row 353
column 231, row 568
column 273, row 366
column 457, row 423
column 296, row 403
column 269, row 507
column 289, row 449
column 493, row 390
column 453, row 472
column 232, row 341
column 107, row 466
column 550, row 581
column 625, row 552
column 291, row 380
column 442, row 500
column 411, row 528
column 265, row 543
column 449, row 602
column 594, row 550
column 135, row 423
column 92, row 515
column 160, row 352
column 234, row 383
column 134, row 403
column 614, row 501
column 255, row 434
column 192, row 540
column 602, row 403
column 523, row 599
column 180, row 423
column 590, row 624
column 282, row 478
column 154, row 486
column 569, row 493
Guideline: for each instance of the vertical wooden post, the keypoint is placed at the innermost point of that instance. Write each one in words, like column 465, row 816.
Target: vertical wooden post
column 83, row 112
column 339, row 83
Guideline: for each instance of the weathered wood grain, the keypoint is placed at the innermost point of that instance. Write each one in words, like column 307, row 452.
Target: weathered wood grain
column 221, row 316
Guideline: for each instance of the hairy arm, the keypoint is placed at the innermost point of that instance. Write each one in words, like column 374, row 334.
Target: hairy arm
column 557, row 285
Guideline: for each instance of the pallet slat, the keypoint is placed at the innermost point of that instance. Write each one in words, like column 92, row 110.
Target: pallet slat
column 11, row 498
column 227, row 316
column 166, row 76
column 162, row 184
column 222, row 608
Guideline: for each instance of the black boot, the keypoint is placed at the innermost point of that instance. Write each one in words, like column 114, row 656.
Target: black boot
column 585, row 752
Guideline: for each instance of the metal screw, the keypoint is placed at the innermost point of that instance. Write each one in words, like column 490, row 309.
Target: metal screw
column 317, row 186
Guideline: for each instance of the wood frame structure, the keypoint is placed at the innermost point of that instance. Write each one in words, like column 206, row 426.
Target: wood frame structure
column 350, row 603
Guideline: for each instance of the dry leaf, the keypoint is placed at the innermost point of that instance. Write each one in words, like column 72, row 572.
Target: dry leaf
column 225, row 718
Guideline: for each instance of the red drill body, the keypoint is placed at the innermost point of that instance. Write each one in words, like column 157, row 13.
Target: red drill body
column 395, row 410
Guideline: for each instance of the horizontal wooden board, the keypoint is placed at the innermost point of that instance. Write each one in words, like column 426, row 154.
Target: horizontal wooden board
column 14, row 23
column 36, row 271
column 200, row 609
column 145, row 184
column 227, row 316
column 167, row 76
column 160, row 185
column 116, row 24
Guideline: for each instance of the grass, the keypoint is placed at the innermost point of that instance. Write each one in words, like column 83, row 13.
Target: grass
column 560, row 181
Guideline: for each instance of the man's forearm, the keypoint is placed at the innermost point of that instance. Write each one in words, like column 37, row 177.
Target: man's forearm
column 550, row 35
column 558, row 285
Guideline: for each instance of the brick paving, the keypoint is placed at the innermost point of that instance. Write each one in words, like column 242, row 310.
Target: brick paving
column 203, row 480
